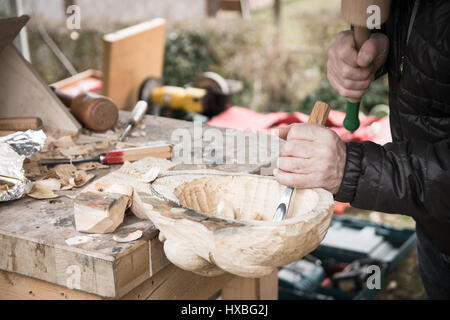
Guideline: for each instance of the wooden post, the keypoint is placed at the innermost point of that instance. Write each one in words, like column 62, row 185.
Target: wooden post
column 277, row 13
column 265, row 288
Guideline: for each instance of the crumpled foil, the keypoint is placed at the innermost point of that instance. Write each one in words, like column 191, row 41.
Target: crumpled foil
column 14, row 148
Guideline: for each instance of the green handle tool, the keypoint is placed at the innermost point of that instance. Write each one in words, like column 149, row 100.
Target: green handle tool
column 351, row 121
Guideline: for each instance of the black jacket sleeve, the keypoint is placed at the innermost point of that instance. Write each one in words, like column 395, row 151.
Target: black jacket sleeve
column 410, row 178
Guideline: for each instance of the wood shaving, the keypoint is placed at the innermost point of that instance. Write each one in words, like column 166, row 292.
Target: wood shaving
column 151, row 175
column 103, row 145
column 64, row 142
column 75, row 151
column 124, row 145
column 71, row 177
column 4, row 187
column 43, row 189
column 33, row 170
column 87, row 166
column 130, row 237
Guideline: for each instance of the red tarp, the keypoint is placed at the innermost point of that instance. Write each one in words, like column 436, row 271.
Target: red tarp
column 371, row 128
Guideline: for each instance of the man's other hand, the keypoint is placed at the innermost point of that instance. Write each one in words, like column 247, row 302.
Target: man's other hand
column 312, row 157
column 350, row 72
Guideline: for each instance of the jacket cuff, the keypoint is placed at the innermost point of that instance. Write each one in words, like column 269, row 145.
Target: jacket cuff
column 352, row 173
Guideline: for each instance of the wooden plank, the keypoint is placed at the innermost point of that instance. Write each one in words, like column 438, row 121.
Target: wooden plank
column 265, row 288
column 10, row 28
column 176, row 284
column 170, row 283
column 14, row 286
column 268, row 287
column 25, row 94
column 129, row 57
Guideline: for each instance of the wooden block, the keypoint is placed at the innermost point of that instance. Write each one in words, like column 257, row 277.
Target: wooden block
column 99, row 213
column 25, row 94
column 129, row 57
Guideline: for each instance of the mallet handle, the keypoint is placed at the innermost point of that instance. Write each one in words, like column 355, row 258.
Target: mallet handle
column 351, row 121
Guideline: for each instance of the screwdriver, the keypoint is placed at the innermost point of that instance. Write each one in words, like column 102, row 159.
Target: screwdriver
column 157, row 150
column 136, row 116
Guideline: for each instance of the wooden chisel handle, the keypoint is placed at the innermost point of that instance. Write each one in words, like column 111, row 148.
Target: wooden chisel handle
column 319, row 114
column 20, row 124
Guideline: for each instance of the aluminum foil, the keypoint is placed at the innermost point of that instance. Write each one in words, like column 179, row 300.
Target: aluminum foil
column 15, row 148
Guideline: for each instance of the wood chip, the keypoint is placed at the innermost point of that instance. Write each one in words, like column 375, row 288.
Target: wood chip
column 130, row 237
column 87, row 166
column 71, row 177
column 76, row 151
column 4, row 187
column 151, row 175
column 43, row 189
column 64, row 142
column 33, row 170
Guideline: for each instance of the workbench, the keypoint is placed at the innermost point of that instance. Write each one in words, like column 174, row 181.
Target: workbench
column 42, row 256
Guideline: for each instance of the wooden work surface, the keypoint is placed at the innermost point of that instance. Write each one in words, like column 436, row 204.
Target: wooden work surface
column 38, row 240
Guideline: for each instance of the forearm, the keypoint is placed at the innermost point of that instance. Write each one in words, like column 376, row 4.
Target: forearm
column 411, row 178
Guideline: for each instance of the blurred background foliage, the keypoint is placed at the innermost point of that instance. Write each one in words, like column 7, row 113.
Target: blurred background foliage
column 282, row 69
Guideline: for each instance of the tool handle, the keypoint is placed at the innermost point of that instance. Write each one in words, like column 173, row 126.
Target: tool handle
column 138, row 112
column 319, row 114
column 65, row 98
column 351, row 121
column 134, row 154
column 20, row 123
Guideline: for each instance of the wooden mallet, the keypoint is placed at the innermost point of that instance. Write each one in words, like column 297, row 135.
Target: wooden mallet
column 360, row 13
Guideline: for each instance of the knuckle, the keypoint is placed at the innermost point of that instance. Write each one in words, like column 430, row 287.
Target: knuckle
column 348, row 84
column 295, row 131
column 346, row 71
column 367, row 73
column 286, row 149
column 343, row 92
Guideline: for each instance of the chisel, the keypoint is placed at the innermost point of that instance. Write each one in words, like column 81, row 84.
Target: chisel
column 118, row 156
column 356, row 12
column 136, row 116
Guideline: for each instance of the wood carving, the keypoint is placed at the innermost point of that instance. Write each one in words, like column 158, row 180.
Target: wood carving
column 214, row 222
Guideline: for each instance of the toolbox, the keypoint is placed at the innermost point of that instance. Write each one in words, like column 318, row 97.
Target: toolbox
column 339, row 268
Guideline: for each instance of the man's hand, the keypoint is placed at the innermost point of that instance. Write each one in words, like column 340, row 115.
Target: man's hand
column 350, row 72
column 312, row 157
